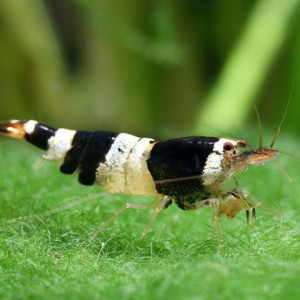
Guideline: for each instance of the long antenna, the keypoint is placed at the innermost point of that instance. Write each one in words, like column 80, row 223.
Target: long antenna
column 283, row 117
column 259, row 129
column 281, row 167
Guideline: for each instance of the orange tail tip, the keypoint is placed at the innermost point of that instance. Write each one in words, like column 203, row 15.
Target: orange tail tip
column 32, row 131
column 13, row 128
column 17, row 129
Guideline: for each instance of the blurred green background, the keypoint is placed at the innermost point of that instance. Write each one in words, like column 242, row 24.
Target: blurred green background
column 155, row 68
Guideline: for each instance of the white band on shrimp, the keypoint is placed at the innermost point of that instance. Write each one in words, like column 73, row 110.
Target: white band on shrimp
column 60, row 144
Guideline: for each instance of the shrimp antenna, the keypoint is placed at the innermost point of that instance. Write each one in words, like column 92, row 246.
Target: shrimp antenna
column 288, row 154
column 281, row 167
column 259, row 129
column 283, row 117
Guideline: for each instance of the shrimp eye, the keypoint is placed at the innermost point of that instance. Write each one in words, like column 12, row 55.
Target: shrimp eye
column 227, row 146
column 242, row 143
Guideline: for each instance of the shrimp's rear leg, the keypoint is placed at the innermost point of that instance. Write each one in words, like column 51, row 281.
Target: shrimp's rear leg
column 158, row 204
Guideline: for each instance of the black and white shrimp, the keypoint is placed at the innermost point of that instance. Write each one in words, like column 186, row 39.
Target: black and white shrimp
column 191, row 171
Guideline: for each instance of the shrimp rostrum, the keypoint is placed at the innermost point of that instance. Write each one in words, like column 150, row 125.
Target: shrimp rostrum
column 192, row 171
